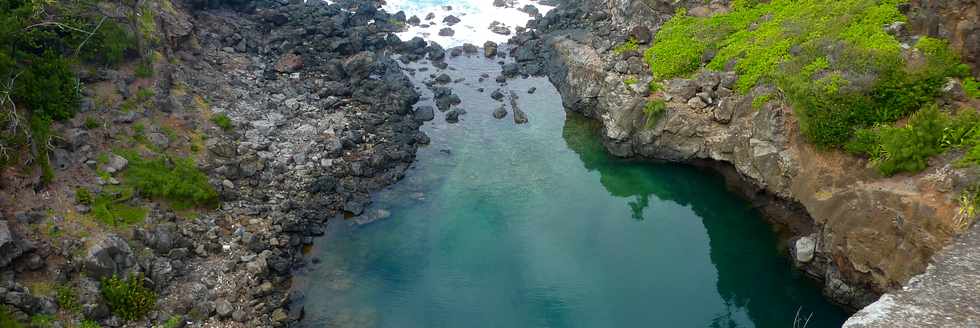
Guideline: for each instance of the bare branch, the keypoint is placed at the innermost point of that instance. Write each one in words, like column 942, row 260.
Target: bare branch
column 90, row 34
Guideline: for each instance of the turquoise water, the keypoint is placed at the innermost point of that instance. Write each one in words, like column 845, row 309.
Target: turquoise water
column 500, row 225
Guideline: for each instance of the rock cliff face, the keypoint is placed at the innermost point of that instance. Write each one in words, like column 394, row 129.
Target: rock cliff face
column 955, row 20
column 860, row 233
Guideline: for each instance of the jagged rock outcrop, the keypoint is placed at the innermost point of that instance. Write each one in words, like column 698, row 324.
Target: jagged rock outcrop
column 870, row 234
column 955, row 20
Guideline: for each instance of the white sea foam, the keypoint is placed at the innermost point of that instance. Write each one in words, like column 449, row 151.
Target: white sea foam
column 475, row 15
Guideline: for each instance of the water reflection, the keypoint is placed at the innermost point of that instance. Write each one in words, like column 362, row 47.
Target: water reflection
column 751, row 275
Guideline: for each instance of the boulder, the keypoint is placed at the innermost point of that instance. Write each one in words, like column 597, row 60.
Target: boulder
column 490, row 49
column 115, row 164
column 500, row 112
column 641, row 34
column 451, row 20
column 10, row 246
column 804, row 248
column 109, row 256
column 447, row 31
column 424, row 113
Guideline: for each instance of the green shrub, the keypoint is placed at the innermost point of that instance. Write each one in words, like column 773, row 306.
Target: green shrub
column 89, row 324
column 629, row 45
column 67, row 300
column 83, row 196
column 761, row 100
column 653, row 111
column 7, row 320
column 128, row 299
column 144, row 69
column 971, row 87
column 109, row 45
column 175, row 179
column 629, row 81
column 91, row 123
column 222, row 121
column 48, row 88
column 654, row 86
column 42, row 320
column 836, row 64
column 908, row 149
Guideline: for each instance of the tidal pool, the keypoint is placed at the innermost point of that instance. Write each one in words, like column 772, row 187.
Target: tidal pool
column 535, row 225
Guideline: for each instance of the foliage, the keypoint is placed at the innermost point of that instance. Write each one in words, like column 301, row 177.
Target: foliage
column 42, row 320
column 129, row 299
column 971, row 87
column 173, row 322
column 67, row 300
column 629, row 45
column 833, row 59
column 7, row 320
column 908, row 149
column 144, row 69
column 653, row 111
column 175, row 179
column 110, row 207
column 89, row 324
column 109, row 45
column 654, row 86
column 761, row 100
column 629, row 81
column 91, row 123
column 83, row 196
column 222, row 121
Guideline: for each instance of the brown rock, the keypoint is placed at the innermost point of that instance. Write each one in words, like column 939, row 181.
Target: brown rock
column 289, row 63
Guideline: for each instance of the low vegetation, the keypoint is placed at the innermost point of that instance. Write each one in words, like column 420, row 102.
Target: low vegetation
column 43, row 41
column 629, row 45
column 654, row 110
column 7, row 320
column 128, row 298
column 834, row 60
column 222, row 121
column 927, row 133
column 174, row 179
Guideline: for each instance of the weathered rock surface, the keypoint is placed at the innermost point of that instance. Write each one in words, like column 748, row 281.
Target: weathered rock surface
column 871, row 233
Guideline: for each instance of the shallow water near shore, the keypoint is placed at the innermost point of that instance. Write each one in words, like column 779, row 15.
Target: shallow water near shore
column 535, row 225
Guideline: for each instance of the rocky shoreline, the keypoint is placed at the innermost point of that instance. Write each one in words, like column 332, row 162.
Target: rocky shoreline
column 858, row 233
column 320, row 117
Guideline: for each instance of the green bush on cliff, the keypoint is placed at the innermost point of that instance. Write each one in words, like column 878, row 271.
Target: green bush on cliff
column 654, row 110
column 7, row 320
column 833, row 59
column 927, row 133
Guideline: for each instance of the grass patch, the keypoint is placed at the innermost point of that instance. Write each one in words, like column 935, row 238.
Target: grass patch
column 129, row 299
column 175, row 179
column 761, row 100
column 42, row 320
column 630, row 81
column 110, row 207
column 837, row 65
column 654, row 110
column 89, row 324
column 91, row 123
column 222, row 121
column 629, row 45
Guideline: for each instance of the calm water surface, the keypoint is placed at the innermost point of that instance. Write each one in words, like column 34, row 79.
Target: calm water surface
column 500, row 225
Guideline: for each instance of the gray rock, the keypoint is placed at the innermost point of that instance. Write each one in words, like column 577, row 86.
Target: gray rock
column 641, row 34
column 497, row 95
column 109, row 256
column 696, row 103
column 10, row 246
column 443, row 79
column 500, row 112
column 682, row 88
column 116, row 163
column 511, row 69
column 451, row 20
column 159, row 140
column 424, row 113
column 452, row 116
column 223, row 308
column 446, row 31
column 805, row 248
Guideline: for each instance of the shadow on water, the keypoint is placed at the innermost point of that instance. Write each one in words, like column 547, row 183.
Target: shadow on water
column 752, row 274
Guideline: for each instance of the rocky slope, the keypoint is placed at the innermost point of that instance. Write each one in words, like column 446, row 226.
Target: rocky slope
column 310, row 137
column 860, row 233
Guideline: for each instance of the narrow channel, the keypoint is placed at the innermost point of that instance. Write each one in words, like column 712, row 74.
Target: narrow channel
column 534, row 225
